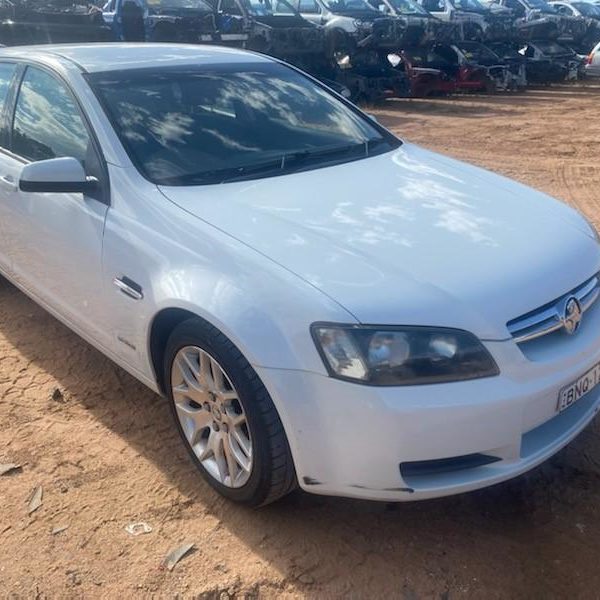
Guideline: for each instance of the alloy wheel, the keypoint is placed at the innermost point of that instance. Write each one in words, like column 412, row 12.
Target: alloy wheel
column 212, row 416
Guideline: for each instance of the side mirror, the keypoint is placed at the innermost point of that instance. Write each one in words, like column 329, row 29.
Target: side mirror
column 56, row 175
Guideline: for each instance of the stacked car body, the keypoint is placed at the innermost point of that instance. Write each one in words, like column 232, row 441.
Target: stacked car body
column 369, row 49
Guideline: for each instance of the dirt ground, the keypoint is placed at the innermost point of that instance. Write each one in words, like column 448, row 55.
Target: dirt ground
column 105, row 453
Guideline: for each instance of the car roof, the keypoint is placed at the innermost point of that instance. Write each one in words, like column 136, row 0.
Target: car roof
column 100, row 57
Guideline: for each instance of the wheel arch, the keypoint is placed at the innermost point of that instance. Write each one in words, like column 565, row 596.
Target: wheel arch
column 163, row 323
column 161, row 327
column 233, row 326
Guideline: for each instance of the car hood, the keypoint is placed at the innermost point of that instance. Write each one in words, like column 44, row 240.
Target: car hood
column 409, row 237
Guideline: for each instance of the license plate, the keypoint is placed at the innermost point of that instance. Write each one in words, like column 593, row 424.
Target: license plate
column 571, row 393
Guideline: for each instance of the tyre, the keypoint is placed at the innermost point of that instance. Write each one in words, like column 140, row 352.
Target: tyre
column 225, row 416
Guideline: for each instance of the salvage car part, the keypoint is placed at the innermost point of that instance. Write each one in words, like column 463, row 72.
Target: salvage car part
column 186, row 21
column 468, row 76
column 424, row 79
column 468, row 15
column 276, row 28
column 420, row 26
column 51, row 21
column 476, row 53
column 551, row 62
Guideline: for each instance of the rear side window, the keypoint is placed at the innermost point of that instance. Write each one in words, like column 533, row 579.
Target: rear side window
column 47, row 122
column 7, row 72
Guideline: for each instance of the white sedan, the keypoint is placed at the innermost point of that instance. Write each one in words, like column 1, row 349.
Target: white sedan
column 322, row 304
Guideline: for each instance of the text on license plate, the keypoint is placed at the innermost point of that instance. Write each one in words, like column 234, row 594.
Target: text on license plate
column 570, row 394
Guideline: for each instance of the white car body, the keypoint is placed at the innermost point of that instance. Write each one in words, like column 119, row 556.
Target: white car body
column 592, row 67
column 408, row 237
column 468, row 21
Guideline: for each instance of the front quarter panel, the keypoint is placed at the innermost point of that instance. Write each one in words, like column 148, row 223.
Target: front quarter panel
column 180, row 261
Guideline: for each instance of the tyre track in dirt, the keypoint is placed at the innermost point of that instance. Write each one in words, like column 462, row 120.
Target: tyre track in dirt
column 106, row 454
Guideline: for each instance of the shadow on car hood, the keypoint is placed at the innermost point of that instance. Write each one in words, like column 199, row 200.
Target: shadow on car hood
column 409, row 237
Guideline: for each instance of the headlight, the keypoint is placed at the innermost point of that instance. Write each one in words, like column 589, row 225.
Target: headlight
column 401, row 355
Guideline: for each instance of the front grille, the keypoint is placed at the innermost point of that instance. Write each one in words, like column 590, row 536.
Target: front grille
column 550, row 317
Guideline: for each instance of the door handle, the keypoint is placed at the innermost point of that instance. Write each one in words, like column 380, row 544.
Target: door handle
column 7, row 183
column 129, row 287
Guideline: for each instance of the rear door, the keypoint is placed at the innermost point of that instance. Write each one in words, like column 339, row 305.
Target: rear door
column 7, row 76
column 56, row 238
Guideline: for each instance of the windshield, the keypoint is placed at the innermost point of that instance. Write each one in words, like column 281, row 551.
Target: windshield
column 263, row 8
column 469, row 5
column 478, row 52
column 341, row 6
column 587, row 9
column 219, row 123
column 408, row 7
column 505, row 50
column 552, row 49
column 178, row 4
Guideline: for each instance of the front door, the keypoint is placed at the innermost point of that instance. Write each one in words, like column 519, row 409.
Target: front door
column 7, row 187
column 56, row 238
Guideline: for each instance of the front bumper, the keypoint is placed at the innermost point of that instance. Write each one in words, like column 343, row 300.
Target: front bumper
column 351, row 440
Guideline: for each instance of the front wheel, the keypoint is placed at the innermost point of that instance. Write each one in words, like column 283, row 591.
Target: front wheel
column 226, row 417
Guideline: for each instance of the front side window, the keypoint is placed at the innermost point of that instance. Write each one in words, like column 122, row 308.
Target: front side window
column 7, row 72
column 308, row 7
column 469, row 5
column 201, row 125
column 47, row 123
column 261, row 8
column 408, row 7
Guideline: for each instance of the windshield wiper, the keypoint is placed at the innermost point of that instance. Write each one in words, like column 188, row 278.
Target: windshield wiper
column 228, row 174
column 331, row 155
column 291, row 162
column 294, row 162
column 302, row 157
